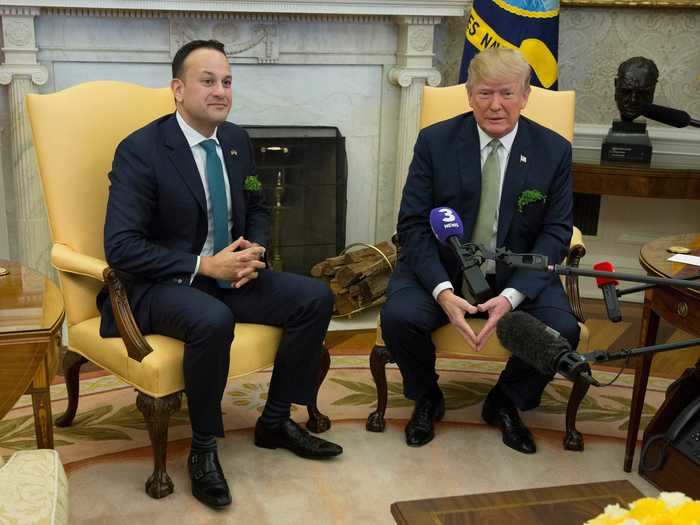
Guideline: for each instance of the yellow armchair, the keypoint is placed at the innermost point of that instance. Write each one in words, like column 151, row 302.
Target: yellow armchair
column 555, row 110
column 75, row 133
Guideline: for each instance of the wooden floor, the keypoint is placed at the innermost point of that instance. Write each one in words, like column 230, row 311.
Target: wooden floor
column 667, row 364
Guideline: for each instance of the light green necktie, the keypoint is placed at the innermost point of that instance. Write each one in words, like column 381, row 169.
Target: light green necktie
column 488, row 205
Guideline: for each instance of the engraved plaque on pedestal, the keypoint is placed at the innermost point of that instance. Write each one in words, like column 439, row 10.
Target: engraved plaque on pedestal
column 626, row 142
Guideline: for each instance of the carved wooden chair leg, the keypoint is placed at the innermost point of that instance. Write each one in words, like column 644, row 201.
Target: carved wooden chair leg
column 72, row 361
column 378, row 359
column 573, row 439
column 157, row 413
column 319, row 422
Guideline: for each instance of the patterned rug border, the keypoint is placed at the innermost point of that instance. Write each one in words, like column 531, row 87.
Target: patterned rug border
column 108, row 420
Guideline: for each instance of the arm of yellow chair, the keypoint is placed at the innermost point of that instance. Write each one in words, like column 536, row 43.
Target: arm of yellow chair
column 66, row 259
column 577, row 249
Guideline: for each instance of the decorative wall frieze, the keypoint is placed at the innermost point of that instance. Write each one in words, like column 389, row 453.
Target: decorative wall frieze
column 213, row 15
column 19, row 10
column 253, row 41
column 404, row 77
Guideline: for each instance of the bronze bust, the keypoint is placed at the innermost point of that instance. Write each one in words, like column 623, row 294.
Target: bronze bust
column 634, row 86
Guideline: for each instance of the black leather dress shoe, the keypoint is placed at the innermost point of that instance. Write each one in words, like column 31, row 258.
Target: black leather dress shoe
column 291, row 436
column 419, row 429
column 208, row 482
column 515, row 434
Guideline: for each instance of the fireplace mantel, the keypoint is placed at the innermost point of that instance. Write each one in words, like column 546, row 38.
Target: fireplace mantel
column 329, row 7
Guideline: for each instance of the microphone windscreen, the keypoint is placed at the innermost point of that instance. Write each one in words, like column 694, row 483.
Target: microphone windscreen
column 605, row 266
column 532, row 341
column 445, row 223
column 670, row 116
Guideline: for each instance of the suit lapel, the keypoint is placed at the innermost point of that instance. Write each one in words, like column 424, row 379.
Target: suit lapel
column 514, row 180
column 234, row 171
column 469, row 162
column 181, row 156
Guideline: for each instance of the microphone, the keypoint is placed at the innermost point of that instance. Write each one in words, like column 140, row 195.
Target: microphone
column 670, row 116
column 541, row 346
column 448, row 228
column 609, row 288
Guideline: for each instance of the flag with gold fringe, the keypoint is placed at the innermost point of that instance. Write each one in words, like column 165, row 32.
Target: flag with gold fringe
column 532, row 26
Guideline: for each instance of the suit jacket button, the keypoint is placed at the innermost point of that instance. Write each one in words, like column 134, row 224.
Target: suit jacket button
column 178, row 281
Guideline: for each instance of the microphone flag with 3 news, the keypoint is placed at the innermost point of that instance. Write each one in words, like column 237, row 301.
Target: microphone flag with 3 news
column 448, row 228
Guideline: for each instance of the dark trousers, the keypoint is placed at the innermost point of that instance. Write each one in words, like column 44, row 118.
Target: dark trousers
column 204, row 316
column 411, row 314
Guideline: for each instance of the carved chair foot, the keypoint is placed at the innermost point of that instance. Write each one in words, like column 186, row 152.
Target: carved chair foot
column 375, row 422
column 159, row 485
column 573, row 441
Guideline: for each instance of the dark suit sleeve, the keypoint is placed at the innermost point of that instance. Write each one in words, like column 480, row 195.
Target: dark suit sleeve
column 130, row 210
column 557, row 227
column 257, row 227
column 418, row 244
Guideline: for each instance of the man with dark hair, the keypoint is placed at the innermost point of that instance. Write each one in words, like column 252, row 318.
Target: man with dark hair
column 181, row 222
column 634, row 86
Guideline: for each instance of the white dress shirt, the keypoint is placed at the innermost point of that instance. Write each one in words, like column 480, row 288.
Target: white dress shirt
column 514, row 296
column 194, row 138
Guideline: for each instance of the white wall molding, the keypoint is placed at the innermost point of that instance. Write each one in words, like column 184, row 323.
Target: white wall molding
column 350, row 7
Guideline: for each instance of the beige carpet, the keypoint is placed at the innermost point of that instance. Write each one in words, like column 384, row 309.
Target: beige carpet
column 276, row 487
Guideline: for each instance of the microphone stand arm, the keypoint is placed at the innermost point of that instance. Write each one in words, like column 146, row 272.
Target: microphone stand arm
column 536, row 262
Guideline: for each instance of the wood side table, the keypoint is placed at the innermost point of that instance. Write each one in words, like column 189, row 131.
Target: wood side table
column 31, row 315
column 564, row 505
column 679, row 307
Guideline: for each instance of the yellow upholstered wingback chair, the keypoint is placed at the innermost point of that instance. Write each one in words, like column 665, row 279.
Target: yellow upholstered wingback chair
column 76, row 132
column 554, row 110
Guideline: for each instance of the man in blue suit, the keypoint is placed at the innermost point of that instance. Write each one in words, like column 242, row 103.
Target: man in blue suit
column 510, row 181
column 185, row 219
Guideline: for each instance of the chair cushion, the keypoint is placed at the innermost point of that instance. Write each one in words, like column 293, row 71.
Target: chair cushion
column 160, row 373
column 33, row 489
column 448, row 340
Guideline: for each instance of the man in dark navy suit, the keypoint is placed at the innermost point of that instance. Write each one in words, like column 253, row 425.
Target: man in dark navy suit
column 510, row 181
column 183, row 221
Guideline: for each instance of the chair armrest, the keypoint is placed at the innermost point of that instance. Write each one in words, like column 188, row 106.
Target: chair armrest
column 65, row 259
column 577, row 249
column 136, row 345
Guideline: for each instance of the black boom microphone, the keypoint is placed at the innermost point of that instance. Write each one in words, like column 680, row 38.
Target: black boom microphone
column 541, row 347
column 670, row 116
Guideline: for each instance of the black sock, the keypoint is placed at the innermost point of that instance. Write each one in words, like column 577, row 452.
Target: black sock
column 433, row 393
column 275, row 412
column 499, row 398
column 203, row 442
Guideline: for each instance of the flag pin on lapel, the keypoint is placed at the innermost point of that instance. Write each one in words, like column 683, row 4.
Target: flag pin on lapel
column 523, row 159
column 234, row 153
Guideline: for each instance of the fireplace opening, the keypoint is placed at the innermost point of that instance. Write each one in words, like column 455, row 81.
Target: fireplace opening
column 303, row 171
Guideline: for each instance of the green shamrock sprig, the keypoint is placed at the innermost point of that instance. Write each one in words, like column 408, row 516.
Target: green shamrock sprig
column 252, row 183
column 528, row 197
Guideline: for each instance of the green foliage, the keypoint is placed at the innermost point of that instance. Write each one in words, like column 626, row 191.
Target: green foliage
column 252, row 183
column 528, row 197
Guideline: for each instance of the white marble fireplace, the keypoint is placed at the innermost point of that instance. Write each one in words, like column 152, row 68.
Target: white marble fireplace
column 359, row 65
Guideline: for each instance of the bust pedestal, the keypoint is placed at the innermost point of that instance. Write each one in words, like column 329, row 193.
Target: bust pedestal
column 626, row 142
